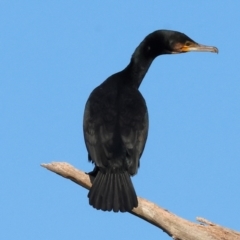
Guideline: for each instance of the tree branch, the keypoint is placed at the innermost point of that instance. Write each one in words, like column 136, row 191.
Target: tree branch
column 176, row 227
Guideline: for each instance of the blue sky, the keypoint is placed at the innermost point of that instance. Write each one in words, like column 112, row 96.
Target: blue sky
column 54, row 53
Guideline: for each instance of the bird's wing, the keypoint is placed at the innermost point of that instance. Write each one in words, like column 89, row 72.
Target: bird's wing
column 99, row 125
column 133, row 127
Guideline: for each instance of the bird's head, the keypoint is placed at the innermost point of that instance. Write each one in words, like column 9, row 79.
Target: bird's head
column 169, row 42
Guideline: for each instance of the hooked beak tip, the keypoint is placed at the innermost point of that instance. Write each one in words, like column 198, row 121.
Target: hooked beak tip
column 203, row 48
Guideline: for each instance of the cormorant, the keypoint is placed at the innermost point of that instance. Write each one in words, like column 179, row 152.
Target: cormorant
column 116, row 122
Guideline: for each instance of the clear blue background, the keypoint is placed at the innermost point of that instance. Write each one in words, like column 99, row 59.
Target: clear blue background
column 52, row 55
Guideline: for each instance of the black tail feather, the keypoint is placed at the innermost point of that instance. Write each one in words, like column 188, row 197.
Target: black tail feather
column 113, row 190
column 117, row 196
column 127, row 198
column 110, row 194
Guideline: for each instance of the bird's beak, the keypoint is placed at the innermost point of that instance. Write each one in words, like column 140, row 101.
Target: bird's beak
column 195, row 47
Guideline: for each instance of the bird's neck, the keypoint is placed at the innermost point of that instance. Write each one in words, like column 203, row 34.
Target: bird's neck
column 136, row 70
column 141, row 60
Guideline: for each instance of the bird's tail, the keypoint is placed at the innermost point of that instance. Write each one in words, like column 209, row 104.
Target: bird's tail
column 113, row 190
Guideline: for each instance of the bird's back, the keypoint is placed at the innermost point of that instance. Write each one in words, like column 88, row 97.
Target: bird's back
column 115, row 125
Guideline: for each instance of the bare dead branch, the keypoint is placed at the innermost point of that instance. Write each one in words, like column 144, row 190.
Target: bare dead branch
column 176, row 227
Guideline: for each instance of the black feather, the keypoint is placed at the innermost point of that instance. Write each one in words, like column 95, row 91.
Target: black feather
column 113, row 191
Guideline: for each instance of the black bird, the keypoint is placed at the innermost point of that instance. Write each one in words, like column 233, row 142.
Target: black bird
column 116, row 122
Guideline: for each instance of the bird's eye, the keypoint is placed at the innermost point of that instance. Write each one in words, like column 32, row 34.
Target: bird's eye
column 187, row 44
